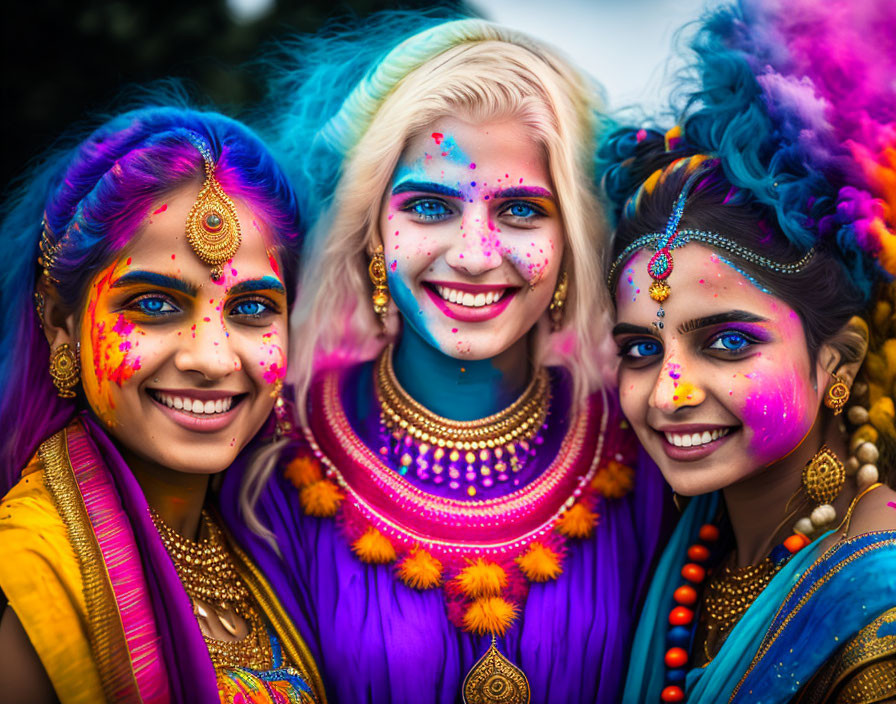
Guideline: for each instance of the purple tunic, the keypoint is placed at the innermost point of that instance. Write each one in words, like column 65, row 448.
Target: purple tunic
column 376, row 639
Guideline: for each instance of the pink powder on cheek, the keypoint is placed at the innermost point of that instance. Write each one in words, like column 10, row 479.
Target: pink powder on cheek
column 160, row 209
column 777, row 416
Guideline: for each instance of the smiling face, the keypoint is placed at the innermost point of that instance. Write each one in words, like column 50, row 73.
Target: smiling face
column 726, row 387
column 472, row 236
column 180, row 368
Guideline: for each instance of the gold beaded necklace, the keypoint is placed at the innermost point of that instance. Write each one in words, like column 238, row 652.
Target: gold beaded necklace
column 210, row 578
column 481, row 451
column 729, row 593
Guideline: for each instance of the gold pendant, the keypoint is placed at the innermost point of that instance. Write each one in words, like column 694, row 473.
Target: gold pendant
column 495, row 680
column 213, row 229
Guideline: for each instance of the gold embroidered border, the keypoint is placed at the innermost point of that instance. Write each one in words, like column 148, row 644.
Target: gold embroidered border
column 770, row 639
column 875, row 683
column 864, row 650
column 104, row 628
column 293, row 644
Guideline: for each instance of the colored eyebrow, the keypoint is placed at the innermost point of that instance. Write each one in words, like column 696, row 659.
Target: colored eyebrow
column 426, row 187
column 629, row 329
column 732, row 316
column 265, row 283
column 524, row 192
column 155, row 279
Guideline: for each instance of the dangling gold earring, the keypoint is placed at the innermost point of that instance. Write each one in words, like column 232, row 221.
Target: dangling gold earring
column 65, row 370
column 837, row 395
column 558, row 301
column 822, row 478
column 377, row 272
column 281, row 411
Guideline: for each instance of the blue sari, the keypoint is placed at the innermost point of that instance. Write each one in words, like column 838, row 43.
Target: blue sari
column 812, row 607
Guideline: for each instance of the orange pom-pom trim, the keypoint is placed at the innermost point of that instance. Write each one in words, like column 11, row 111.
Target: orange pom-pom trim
column 615, row 480
column 482, row 579
column 303, row 470
column 540, row 563
column 374, row 547
column 321, row 499
column 489, row 615
column 420, row 570
column 578, row 522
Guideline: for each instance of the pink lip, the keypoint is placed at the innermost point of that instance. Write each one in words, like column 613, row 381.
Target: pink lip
column 470, row 315
column 195, row 423
column 691, row 454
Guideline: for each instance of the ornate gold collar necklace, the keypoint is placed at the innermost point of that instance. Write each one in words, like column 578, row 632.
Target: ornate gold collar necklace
column 463, row 455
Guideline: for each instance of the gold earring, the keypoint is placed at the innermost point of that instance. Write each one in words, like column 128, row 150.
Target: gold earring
column 377, row 272
column 837, row 395
column 823, row 476
column 281, row 411
column 65, row 370
column 558, row 301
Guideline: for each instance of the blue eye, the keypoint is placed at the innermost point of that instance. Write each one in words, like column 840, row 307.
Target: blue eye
column 251, row 309
column 428, row 209
column 154, row 305
column 731, row 342
column 522, row 210
column 641, row 349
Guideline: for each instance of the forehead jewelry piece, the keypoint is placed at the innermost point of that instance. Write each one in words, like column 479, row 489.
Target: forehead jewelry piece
column 213, row 229
column 661, row 263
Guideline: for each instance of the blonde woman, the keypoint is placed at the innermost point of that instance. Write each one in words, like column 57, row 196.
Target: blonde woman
column 460, row 521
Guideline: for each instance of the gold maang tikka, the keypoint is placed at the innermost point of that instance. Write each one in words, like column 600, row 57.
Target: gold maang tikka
column 213, row 229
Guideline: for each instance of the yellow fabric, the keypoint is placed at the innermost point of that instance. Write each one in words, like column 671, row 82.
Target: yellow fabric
column 40, row 576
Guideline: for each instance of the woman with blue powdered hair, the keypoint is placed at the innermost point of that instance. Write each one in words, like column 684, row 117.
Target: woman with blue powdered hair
column 753, row 278
column 462, row 518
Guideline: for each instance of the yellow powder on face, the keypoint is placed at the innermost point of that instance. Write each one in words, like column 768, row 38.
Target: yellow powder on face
column 685, row 392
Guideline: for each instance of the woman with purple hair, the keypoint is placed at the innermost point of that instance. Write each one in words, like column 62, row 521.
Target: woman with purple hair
column 148, row 273
column 753, row 272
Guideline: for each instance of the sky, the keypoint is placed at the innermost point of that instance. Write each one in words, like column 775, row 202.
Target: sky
column 625, row 44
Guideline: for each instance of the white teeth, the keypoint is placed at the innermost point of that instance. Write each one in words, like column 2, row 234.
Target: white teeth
column 695, row 439
column 196, row 406
column 469, row 299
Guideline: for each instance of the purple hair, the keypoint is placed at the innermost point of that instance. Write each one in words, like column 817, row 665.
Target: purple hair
column 94, row 198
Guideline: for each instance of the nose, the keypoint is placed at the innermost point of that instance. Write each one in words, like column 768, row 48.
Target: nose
column 206, row 350
column 475, row 249
column 673, row 389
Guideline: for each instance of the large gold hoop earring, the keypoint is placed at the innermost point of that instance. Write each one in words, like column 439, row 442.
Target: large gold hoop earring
column 558, row 301
column 65, row 370
column 377, row 272
column 837, row 395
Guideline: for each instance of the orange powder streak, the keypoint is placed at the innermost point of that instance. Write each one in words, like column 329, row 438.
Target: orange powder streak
column 108, row 339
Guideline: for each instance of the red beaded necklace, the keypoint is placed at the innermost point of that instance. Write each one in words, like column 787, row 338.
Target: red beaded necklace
column 682, row 617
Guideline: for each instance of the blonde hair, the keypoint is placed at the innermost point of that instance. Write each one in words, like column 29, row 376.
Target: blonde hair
column 482, row 72
column 499, row 74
